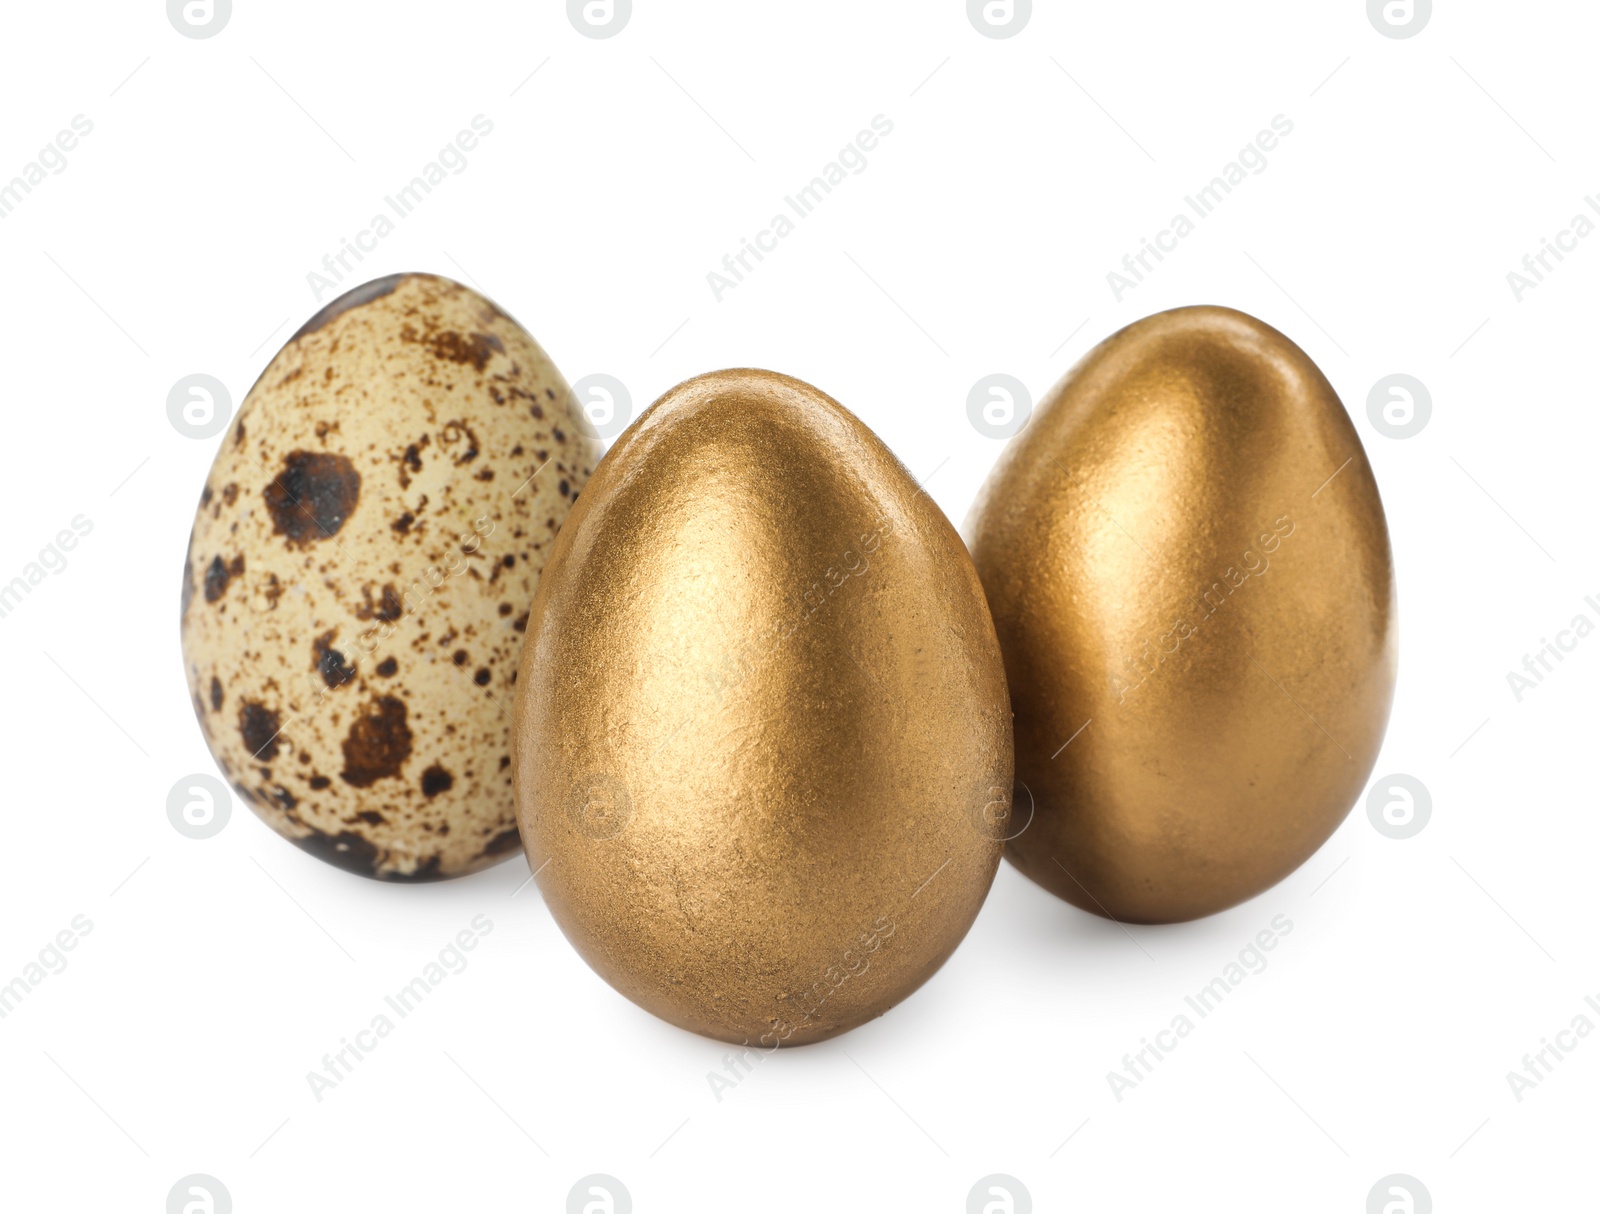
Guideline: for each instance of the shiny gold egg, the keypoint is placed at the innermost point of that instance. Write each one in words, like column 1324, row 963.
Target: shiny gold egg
column 1190, row 576
column 763, row 744
column 360, row 571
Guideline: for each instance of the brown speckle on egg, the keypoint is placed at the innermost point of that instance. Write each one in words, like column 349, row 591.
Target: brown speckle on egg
column 436, row 780
column 329, row 662
column 219, row 573
column 259, row 729
column 378, row 744
column 312, row 496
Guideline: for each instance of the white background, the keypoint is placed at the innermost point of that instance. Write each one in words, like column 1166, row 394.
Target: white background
column 1020, row 170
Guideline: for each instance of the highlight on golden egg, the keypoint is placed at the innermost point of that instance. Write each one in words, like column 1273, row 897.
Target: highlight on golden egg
column 360, row 571
column 1190, row 575
column 763, row 745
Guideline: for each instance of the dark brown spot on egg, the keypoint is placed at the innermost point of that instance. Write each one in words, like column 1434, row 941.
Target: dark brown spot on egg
column 450, row 346
column 230, row 493
column 378, row 744
column 312, row 496
column 218, row 575
column 387, row 667
column 205, row 496
column 459, row 657
column 372, row 817
column 410, row 460
column 188, row 586
column 481, row 677
column 259, row 727
column 319, row 782
column 387, row 607
column 329, row 662
column 506, row 840
column 283, row 796
column 435, row 781
column 355, row 298
column 403, row 523
column 216, row 694
column 345, row 850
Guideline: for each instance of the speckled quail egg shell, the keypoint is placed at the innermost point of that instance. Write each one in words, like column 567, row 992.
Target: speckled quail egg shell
column 360, row 571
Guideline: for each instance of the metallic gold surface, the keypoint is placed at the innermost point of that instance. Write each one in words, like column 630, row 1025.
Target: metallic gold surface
column 1190, row 576
column 763, row 743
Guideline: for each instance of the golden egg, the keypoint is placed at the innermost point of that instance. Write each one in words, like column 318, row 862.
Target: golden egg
column 1190, row 576
column 763, row 744
column 360, row 571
